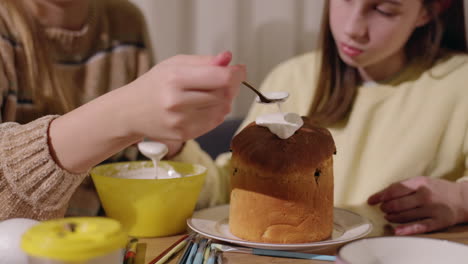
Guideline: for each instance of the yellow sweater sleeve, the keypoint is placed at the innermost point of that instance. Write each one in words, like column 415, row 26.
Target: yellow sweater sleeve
column 465, row 152
column 215, row 189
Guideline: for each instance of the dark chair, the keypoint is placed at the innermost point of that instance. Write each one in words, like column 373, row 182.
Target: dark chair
column 218, row 140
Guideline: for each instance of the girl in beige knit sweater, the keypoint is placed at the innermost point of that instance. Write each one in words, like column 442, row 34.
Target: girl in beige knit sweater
column 78, row 51
column 44, row 161
column 58, row 55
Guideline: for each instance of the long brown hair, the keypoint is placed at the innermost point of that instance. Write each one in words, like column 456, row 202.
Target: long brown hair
column 46, row 91
column 337, row 82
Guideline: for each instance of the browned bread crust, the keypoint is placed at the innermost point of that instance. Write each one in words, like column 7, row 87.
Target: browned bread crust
column 259, row 148
column 282, row 189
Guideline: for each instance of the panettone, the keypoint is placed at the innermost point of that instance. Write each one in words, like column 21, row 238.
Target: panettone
column 282, row 189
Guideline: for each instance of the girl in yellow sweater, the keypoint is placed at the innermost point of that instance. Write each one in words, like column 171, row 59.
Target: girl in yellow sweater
column 390, row 82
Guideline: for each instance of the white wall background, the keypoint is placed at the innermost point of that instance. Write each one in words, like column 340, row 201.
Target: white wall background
column 260, row 33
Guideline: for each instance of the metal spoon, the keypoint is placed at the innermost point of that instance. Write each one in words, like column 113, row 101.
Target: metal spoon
column 276, row 98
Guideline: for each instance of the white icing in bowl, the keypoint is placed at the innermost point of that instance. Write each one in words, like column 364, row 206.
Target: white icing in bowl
column 148, row 174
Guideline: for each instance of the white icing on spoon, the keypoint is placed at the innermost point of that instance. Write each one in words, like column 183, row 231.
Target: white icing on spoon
column 275, row 97
column 283, row 125
column 154, row 151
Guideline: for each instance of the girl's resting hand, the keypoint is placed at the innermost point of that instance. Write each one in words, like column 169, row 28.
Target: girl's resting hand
column 422, row 204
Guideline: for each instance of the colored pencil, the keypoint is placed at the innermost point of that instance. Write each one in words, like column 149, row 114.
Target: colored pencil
column 130, row 253
column 291, row 254
column 200, row 252
column 212, row 257
column 188, row 248
column 272, row 253
column 169, row 250
column 173, row 251
column 193, row 251
column 207, row 252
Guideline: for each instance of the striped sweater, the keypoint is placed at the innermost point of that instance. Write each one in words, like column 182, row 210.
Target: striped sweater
column 110, row 51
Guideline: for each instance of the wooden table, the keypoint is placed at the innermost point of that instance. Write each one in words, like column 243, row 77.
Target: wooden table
column 149, row 248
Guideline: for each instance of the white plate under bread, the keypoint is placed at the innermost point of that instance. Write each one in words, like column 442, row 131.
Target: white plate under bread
column 213, row 223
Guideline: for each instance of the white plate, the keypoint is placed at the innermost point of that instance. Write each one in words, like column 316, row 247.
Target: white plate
column 213, row 223
column 402, row 250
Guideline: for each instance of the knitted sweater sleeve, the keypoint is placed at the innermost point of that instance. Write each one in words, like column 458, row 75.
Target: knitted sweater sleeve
column 465, row 155
column 8, row 77
column 32, row 185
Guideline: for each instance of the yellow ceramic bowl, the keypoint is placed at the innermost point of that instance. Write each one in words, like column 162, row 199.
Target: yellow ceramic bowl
column 146, row 207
